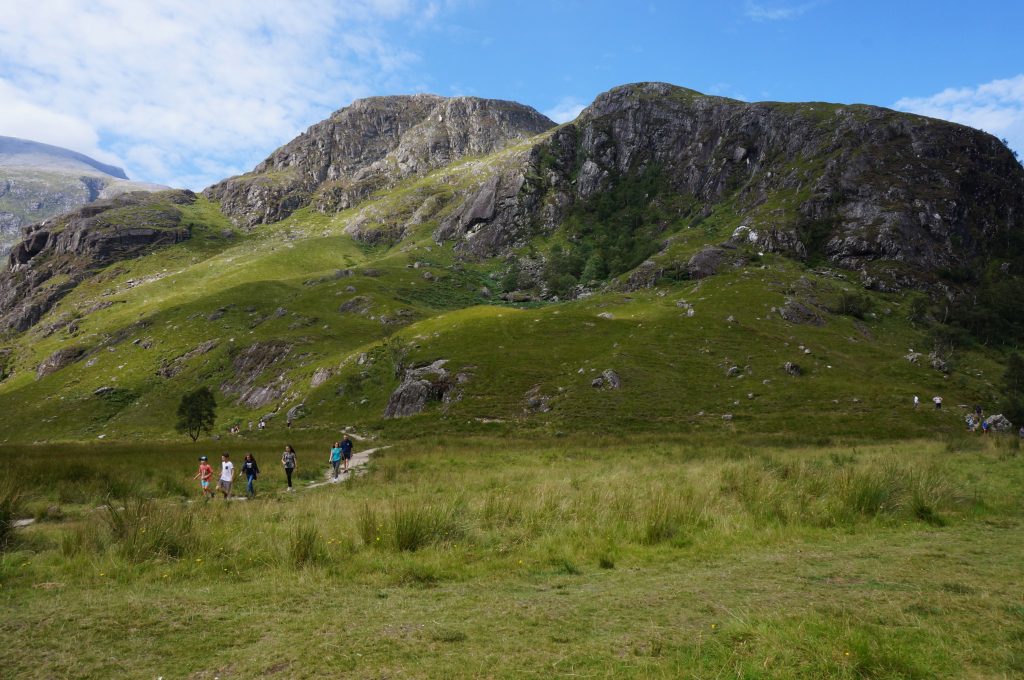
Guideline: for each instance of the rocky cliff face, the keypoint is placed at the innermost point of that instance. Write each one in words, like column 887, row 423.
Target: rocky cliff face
column 370, row 145
column 892, row 195
column 54, row 256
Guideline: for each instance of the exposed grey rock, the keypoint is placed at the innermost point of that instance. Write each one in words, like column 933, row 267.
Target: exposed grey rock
column 296, row 412
column 77, row 244
column 611, row 379
column 249, row 364
column 792, row 369
column 913, row 357
column 536, row 401
column 360, row 304
column 100, row 391
column 999, row 423
column 705, row 263
column 727, row 416
column 797, row 312
column 171, row 368
column 419, row 386
column 320, row 376
column 371, row 145
column 732, row 371
column 938, row 363
column 58, row 360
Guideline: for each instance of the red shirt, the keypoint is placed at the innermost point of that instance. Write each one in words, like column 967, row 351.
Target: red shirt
column 205, row 471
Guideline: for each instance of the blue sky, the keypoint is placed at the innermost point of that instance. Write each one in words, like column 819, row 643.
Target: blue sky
column 185, row 93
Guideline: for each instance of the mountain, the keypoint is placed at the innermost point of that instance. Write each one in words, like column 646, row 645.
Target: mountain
column 40, row 180
column 371, row 145
column 666, row 261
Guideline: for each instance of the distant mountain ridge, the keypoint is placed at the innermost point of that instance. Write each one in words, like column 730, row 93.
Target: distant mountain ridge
column 15, row 152
column 39, row 180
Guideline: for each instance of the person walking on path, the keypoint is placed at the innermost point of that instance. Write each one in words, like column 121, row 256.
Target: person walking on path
column 346, row 451
column 335, row 458
column 205, row 476
column 289, row 461
column 227, row 475
column 917, row 402
column 252, row 473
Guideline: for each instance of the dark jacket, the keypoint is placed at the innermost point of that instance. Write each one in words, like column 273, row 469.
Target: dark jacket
column 250, row 468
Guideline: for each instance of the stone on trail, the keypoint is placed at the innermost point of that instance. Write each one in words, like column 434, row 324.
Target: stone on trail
column 999, row 423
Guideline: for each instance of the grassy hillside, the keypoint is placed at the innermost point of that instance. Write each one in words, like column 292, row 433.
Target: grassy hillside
column 323, row 300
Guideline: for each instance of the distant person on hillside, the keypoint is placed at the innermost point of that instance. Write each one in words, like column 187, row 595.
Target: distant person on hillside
column 346, row 450
column 985, row 427
column 289, row 461
column 1020, row 433
column 263, row 424
column 917, row 401
column 252, row 473
column 335, row 458
column 205, row 475
column 227, row 475
column 938, row 401
column 977, row 411
column 970, row 422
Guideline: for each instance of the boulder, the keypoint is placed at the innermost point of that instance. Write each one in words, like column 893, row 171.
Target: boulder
column 419, row 386
column 792, row 369
column 999, row 423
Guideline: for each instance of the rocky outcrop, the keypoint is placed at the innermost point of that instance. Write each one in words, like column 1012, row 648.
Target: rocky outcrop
column 419, row 387
column 58, row 360
column 371, row 145
column 73, row 246
column 249, row 364
column 895, row 196
column 38, row 181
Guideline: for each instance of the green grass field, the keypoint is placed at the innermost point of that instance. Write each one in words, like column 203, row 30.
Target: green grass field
column 550, row 557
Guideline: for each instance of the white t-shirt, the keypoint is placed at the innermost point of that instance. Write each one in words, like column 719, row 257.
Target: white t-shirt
column 227, row 471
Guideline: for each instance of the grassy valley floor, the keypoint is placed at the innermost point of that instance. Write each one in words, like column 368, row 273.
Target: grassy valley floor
column 552, row 558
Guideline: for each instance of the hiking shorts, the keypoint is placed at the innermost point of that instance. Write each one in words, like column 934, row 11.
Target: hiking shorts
column 226, row 485
column 347, row 455
column 205, row 483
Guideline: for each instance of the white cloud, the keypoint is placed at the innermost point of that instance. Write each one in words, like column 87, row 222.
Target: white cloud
column 565, row 110
column 178, row 91
column 760, row 12
column 996, row 107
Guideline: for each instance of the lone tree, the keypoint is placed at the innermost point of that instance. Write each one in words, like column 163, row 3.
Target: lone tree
column 197, row 412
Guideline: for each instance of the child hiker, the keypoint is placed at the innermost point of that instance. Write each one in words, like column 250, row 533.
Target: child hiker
column 204, row 476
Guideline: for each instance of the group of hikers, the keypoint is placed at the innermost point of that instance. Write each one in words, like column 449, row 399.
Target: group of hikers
column 339, row 458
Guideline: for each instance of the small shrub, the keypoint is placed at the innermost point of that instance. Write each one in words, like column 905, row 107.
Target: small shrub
column 852, row 303
column 606, row 561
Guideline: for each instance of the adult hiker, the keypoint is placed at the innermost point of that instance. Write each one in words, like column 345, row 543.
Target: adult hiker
column 335, row 458
column 346, row 451
column 937, row 400
column 917, row 401
column 227, row 475
column 205, row 475
column 289, row 461
column 252, row 473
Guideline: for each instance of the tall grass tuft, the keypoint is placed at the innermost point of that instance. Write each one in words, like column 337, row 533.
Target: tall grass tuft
column 666, row 516
column 368, row 525
column 141, row 529
column 11, row 503
column 417, row 526
column 307, row 547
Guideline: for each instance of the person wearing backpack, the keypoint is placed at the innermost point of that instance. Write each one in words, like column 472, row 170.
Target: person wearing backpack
column 290, row 462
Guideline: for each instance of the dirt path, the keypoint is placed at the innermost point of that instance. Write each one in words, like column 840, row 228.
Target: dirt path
column 355, row 467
